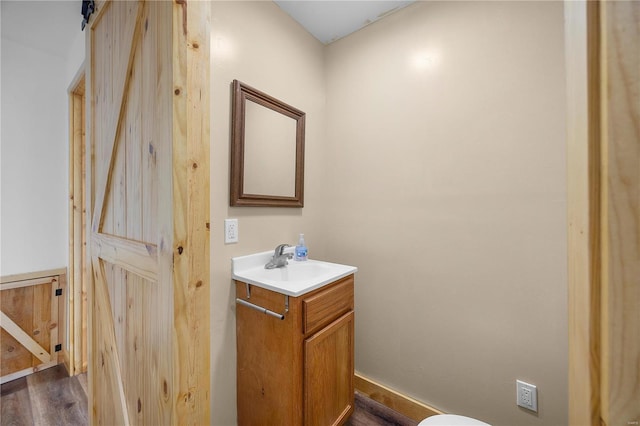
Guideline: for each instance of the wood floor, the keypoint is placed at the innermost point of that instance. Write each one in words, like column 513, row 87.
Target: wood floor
column 369, row 413
column 50, row 397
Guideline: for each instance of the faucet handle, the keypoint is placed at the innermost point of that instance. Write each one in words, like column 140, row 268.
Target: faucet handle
column 280, row 249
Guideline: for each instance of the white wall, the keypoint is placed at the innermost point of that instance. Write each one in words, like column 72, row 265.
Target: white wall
column 441, row 176
column 258, row 44
column 38, row 64
column 447, row 188
column 34, row 160
column 75, row 57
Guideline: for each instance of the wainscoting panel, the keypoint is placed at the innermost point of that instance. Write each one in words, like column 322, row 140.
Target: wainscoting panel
column 32, row 318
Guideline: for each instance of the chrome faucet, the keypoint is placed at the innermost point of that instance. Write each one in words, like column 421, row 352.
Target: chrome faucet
column 279, row 258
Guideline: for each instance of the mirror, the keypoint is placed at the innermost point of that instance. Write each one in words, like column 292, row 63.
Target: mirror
column 267, row 150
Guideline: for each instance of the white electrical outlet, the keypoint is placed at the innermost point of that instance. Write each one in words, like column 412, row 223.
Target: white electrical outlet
column 230, row 231
column 527, row 396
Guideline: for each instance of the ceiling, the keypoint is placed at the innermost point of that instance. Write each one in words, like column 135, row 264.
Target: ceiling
column 329, row 21
column 51, row 25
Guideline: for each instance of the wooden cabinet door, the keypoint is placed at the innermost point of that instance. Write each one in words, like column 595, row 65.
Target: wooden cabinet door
column 147, row 89
column 328, row 386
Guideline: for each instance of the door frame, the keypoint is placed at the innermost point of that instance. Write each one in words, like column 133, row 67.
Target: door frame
column 76, row 358
column 603, row 205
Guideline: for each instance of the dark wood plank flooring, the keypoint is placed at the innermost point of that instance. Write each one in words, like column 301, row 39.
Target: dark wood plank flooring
column 50, row 397
column 371, row 413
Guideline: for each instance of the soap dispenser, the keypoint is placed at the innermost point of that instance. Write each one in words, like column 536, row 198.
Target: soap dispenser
column 301, row 249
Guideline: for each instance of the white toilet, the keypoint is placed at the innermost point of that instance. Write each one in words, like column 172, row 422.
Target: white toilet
column 451, row 420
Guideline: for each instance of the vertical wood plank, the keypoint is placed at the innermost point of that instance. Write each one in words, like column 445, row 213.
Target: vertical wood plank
column 149, row 139
column 620, row 26
column 56, row 328
column 133, row 153
column 99, row 55
column 604, row 252
column 191, row 208
column 57, row 319
column 90, row 126
column 61, row 317
column 45, row 319
column 72, row 158
column 76, row 262
column 134, row 368
column 164, row 330
column 81, row 358
column 77, row 227
column 138, row 368
column 76, row 232
column 583, row 202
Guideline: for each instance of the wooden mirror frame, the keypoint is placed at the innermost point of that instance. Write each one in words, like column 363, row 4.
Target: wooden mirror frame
column 242, row 93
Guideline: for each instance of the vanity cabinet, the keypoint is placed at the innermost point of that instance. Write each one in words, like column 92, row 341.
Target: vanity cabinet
column 298, row 370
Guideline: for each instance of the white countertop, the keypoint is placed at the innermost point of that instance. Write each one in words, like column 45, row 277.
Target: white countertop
column 295, row 279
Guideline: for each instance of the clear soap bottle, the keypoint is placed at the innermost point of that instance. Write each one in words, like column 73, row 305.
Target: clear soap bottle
column 301, row 249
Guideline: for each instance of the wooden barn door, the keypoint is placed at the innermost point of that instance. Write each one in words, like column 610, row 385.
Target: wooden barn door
column 149, row 131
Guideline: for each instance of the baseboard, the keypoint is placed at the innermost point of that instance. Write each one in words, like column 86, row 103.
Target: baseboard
column 403, row 404
column 22, row 373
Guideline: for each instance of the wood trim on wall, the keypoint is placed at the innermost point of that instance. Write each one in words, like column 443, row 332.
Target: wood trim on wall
column 89, row 193
column 37, row 275
column 583, row 200
column 603, row 147
column 403, row 404
column 620, row 212
column 76, row 353
column 191, row 214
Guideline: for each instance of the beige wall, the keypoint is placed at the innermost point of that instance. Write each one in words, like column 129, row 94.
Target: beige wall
column 442, row 179
column 256, row 43
column 448, row 192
